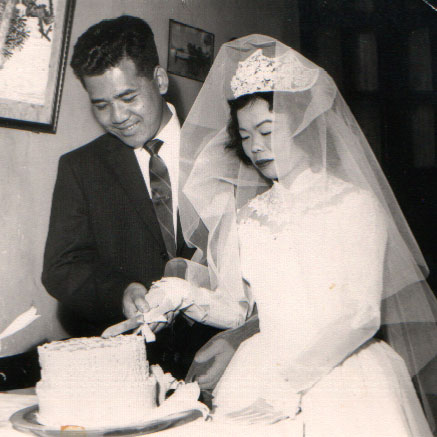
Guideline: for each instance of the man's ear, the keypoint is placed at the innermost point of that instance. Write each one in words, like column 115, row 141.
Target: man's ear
column 161, row 79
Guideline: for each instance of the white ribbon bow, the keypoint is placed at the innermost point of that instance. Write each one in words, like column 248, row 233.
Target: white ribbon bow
column 153, row 316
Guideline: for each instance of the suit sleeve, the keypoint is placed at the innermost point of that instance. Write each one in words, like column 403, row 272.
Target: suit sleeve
column 73, row 272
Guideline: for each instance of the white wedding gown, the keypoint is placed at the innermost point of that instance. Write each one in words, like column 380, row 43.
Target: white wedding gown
column 313, row 256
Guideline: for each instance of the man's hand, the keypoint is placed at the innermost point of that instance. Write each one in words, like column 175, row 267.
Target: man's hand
column 134, row 300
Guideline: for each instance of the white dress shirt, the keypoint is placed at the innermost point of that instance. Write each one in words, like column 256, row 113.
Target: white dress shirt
column 169, row 153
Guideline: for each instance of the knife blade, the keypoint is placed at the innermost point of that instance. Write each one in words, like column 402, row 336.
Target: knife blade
column 124, row 326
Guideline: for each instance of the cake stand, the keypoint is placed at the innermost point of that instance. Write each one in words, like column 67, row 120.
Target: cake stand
column 25, row 420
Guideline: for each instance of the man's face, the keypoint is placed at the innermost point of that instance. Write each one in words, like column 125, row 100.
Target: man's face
column 127, row 105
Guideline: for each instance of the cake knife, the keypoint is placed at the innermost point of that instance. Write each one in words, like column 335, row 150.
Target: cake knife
column 124, row 326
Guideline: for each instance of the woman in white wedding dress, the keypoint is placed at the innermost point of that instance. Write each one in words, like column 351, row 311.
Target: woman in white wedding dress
column 288, row 207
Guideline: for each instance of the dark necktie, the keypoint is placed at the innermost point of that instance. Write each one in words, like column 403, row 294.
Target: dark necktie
column 161, row 195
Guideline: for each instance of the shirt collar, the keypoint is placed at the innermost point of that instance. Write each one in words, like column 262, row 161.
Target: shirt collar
column 168, row 132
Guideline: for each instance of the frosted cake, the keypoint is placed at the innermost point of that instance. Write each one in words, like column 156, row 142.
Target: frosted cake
column 95, row 383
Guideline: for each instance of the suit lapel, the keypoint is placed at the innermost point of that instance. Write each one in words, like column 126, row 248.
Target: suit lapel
column 123, row 162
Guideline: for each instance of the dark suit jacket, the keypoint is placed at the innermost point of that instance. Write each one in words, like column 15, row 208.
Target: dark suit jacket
column 103, row 234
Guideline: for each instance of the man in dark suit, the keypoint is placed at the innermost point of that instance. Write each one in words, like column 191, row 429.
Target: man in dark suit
column 107, row 240
column 105, row 244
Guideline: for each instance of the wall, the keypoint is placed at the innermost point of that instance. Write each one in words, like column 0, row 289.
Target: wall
column 28, row 161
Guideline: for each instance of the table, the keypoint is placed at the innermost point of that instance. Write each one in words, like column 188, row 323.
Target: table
column 10, row 403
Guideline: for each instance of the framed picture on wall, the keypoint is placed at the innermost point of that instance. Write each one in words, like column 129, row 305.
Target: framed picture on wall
column 190, row 51
column 34, row 36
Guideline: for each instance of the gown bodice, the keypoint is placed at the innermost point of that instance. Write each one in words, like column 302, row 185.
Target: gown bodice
column 311, row 269
column 313, row 256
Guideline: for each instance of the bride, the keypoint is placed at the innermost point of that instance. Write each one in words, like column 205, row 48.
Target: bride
column 294, row 221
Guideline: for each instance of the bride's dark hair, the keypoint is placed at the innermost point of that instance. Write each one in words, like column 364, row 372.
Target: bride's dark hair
column 233, row 130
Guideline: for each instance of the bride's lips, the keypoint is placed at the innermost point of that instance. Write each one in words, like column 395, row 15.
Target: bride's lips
column 260, row 163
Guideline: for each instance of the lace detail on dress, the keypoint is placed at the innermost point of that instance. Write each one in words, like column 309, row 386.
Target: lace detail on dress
column 268, row 207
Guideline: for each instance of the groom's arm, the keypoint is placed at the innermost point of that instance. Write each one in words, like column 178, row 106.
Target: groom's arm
column 212, row 359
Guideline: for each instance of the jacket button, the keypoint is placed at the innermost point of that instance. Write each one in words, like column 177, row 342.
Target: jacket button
column 164, row 255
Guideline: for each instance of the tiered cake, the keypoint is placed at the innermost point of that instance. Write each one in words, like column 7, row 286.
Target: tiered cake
column 95, row 383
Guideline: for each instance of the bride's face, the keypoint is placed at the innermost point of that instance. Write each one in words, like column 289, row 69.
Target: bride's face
column 258, row 126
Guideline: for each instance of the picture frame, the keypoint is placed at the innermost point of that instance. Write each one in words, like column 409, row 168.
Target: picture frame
column 34, row 39
column 190, row 51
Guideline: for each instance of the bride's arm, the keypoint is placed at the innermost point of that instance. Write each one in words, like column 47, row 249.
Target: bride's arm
column 217, row 308
column 339, row 295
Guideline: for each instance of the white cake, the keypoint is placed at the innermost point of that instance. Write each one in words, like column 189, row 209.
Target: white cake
column 95, row 383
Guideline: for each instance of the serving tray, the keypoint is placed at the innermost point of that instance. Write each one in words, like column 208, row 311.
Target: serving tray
column 25, row 420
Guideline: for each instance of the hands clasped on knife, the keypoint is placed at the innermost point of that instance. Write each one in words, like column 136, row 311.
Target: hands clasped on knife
column 135, row 305
column 169, row 296
column 152, row 309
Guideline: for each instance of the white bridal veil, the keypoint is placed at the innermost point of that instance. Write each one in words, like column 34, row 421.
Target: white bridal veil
column 215, row 183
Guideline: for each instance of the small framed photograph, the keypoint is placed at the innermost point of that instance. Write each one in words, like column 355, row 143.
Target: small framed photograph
column 34, row 36
column 190, row 51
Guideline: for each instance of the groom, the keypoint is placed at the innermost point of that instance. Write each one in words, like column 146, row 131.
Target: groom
column 114, row 221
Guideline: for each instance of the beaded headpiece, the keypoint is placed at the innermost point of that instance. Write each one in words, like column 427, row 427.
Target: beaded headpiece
column 259, row 73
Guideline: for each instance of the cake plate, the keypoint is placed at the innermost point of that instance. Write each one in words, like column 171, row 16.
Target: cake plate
column 25, row 420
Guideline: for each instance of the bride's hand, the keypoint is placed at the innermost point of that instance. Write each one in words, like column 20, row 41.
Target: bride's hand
column 169, row 295
column 157, row 326
column 260, row 412
column 174, row 286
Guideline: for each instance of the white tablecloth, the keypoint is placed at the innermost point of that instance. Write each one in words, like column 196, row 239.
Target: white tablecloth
column 9, row 404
